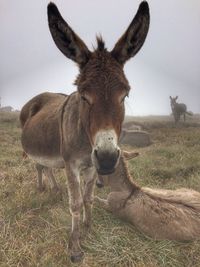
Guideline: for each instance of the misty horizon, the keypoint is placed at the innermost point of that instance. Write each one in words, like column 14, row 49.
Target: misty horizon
column 167, row 65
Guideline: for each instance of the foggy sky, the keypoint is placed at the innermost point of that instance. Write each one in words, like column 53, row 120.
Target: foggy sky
column 168, row 63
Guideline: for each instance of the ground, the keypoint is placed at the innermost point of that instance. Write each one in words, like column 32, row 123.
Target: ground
column 34, row 226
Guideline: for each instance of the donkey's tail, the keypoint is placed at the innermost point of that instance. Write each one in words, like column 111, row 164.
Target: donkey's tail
column 190, row 113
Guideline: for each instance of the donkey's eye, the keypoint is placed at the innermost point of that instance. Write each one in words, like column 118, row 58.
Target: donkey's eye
column 123, row 98
column 85, row 99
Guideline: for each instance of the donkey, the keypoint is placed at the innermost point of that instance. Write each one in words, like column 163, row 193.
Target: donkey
column 80, row 132
column 178, row 109
column 172, row 214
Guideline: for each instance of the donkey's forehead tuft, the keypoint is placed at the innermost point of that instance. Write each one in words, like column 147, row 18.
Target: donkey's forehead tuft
column 100, row 43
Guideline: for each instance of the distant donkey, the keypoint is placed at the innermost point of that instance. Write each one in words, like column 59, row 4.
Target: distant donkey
column 178, row 109
column 80, row 132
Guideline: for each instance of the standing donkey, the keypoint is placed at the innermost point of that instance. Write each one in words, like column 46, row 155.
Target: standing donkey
column 178, row 109
column 80, row 132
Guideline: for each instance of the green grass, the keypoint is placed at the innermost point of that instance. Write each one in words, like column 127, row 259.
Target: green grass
column 35, row 227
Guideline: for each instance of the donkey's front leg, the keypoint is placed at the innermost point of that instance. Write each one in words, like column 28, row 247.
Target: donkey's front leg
column 89, row 176
column 103, row 203
column 75, row 205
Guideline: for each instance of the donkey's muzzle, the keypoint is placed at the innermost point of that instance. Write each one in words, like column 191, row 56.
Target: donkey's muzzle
column 106, row 161
column 105, row 154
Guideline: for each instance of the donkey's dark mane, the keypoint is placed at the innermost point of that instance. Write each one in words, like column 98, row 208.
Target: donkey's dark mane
column 126, row 174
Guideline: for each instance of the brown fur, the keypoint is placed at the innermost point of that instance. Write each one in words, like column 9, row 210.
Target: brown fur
column 158, row 213
column 80, row 132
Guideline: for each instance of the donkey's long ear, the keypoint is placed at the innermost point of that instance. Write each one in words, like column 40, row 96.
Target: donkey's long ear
column 130, row 155
column 65, row 38
column 132, row 40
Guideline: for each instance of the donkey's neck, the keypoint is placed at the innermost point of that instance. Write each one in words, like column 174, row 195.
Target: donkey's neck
column 74, row 139
column 121, row 179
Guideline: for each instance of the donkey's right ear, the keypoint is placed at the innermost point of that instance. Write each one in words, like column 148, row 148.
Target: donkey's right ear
column 170, row 97
column 65, row 38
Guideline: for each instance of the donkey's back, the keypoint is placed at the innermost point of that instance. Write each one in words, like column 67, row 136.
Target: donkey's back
column 38, row 103
column 180, row 108
column 173, row 214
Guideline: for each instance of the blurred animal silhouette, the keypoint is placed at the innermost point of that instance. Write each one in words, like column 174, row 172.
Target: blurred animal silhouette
column 178, row 109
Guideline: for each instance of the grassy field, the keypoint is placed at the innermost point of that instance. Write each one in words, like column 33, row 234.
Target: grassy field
column 34, row 227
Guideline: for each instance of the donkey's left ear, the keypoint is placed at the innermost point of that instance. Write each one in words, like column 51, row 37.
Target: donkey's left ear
column 133, row 39
column 65, row 38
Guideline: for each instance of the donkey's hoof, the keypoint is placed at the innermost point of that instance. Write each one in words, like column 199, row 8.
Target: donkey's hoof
column 77, row 256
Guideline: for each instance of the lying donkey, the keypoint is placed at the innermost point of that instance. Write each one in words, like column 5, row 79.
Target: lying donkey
column 158, row 213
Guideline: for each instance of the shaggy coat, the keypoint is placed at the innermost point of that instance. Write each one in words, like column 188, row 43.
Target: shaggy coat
column 80, row 132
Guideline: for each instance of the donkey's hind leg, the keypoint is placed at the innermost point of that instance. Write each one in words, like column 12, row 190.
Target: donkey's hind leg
column 49, row 173
column 40, row 184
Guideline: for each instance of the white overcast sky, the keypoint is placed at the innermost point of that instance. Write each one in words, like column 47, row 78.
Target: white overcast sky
column 168, row 63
